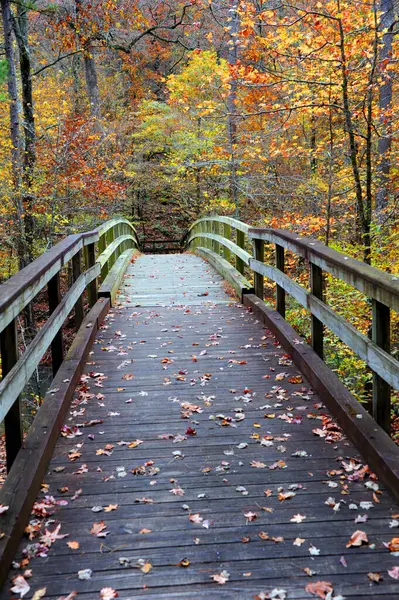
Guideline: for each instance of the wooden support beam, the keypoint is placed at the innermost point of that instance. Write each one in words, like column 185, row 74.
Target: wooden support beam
column 227, row 235
column 12, row 420
column 316, row 286
column 240, row 240
column 259, row 252
column 280, row 293
column 57, row 346
column 92, row 288
column 216, row 229
column 76, row 271
column 381, row 390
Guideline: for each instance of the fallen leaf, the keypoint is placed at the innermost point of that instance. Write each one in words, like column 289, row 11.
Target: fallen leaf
column 20, row 586
column 73, row 545
column 221, row 578
column 319, row 588
column 394, row 573
column 393, row 545
column 376, row 577
column 108, row 593
column 298, row 518
column 357, row 539
column 184, row 563
column 98, row 529
column 251, row 516
column 85, row 574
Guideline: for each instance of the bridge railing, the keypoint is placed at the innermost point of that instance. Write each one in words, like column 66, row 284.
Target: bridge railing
column 101, row 248
column 211, row 238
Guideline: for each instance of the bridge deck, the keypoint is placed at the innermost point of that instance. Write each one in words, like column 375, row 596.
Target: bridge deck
column 254, row 497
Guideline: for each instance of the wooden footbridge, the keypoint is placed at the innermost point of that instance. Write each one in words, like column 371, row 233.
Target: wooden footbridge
column 191, row 444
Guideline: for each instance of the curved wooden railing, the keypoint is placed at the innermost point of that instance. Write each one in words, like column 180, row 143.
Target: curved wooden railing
column 212, row 238
column 103, row 248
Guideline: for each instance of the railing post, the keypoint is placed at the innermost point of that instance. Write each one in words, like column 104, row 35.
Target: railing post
column 76, row 271
column 227, row 236
column 57, row 346
column 92, row 291
column 316, row 287
column 381, row 389
column 259, row 253
column 240, row 239
column 12, row 420
column 215, row 231
column 280, row 292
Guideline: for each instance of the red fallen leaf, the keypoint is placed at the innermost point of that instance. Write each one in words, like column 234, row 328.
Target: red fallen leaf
column 319, row 588
column 357, row 539
column 295, row 379
column 98, row 528
column 191, row 431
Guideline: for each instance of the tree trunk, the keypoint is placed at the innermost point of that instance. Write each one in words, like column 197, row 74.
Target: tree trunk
column 29, row 155
column 15, row 133
column 93, row 91
column 385, row 103
column 231, row 104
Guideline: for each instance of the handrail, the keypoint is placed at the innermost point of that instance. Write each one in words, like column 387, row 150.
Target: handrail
column 381, row 288
column 101, row 247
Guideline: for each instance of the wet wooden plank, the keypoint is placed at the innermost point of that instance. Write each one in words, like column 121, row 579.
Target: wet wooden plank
column 223, row 474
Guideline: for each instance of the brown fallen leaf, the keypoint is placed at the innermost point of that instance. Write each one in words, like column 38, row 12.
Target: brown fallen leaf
column 393, row 545
column 376, row 577
column 357, row 539
column 146, row 567
column 98, row 528
column 73, row 545
column 319, row 588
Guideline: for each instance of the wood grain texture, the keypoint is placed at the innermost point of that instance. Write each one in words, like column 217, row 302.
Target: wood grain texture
column 175, row 345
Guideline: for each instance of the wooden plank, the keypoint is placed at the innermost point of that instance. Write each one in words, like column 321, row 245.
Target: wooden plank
column 76, row 272
column 235, row 223
column 12, row 420
column 259, row 254
column 92, row 291
column 243, row 255
column 111, row 283
column 280, row 292
column 316, row 286
column 381, row 333
column 24, row 480
column 372, row 282
column 228, row 272
column 373, row 442
column 57, row 345
column 374, row 356
column 106, row 256
column 13, row 384
column 236, row 352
